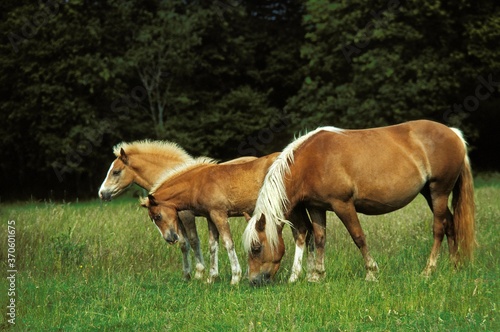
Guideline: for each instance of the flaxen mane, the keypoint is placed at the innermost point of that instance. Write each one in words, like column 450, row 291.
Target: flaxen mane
column 188, row 165
column 162, row 148
column 273, row 199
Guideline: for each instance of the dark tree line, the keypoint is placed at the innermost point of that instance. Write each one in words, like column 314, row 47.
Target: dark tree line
column 231, row 77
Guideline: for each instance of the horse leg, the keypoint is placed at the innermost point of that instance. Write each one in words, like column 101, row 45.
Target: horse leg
column 311, row 255
column 184, row 246
column 442, row 219
column 188, row 220
column 347, row 214
column 301, row 234
column 317, row 266
column 450, row 236
column 213, row 241
column 220, row 220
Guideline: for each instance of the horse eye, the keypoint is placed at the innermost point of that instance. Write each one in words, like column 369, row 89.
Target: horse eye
column 117, row 172
column 157, row 217
column 256, row 249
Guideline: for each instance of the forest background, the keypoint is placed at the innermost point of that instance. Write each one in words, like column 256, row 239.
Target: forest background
column 230, row 78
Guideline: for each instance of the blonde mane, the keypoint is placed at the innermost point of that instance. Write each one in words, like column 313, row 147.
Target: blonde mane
column 165, row 149
column 188, row 165
column 273, row 200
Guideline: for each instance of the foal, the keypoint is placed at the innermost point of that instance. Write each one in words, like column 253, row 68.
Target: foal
column 215, row 192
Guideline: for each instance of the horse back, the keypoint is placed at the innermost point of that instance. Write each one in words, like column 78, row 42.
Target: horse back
column 382, row 169
column 233, row 187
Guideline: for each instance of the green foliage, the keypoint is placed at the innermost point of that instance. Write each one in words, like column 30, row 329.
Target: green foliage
column 391, row 61
column 128, row 278
column 78, row 77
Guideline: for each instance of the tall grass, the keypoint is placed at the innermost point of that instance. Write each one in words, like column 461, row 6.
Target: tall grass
column 92, row 266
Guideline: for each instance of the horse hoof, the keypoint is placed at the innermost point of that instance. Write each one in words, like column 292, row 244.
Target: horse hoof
column 313, row 279
column 427, row 272
column 213, row 278
column 371, row 277
column 200, row 270
column 316, row 277
column 293, row 277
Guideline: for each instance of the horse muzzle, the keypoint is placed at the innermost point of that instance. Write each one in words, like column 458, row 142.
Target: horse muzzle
column 105, row 196
column 172, row 237
column 261, row 279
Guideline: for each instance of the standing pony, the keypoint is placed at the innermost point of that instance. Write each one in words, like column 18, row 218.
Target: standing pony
column 215, row 192
column 142, row 162
column 371, row 171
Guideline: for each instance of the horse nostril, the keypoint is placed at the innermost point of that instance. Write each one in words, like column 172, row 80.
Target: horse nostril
column 105, row 196
column 261, row 279
column 172, row 238
column 254, row 283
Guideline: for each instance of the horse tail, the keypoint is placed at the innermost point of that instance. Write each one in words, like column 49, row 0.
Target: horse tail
column 464, row 212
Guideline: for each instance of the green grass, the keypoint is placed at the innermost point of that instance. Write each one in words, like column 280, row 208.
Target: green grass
column 90, row 266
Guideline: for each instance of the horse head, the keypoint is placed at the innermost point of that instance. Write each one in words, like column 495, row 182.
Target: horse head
column 264, row 257
column 164, row 217
column 119, row 178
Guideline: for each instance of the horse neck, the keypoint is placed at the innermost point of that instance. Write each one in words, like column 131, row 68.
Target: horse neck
column 297, row 190
column 176, row 193
column 148, row 168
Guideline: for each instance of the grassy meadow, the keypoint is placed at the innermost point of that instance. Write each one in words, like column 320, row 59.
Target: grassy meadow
column 89, row 266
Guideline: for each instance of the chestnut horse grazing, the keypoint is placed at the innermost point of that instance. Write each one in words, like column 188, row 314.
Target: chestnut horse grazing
column 215, row 192
column 371, row 171
column 142, row 162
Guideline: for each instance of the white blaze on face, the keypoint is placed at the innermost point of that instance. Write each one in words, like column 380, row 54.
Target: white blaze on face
column 103, row 185
column 159, row 230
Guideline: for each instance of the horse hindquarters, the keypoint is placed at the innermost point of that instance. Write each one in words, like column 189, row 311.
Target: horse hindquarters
column 453, row 175
column 459, row 226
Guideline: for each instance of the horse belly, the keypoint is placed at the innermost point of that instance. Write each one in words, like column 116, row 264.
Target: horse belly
column 375, row 207
column 374, row 197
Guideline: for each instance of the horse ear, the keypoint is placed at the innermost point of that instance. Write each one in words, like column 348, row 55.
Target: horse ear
column 123, row 156
column 247, row 216
column 261, row 224
column 144, row 201
column 152, row 200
